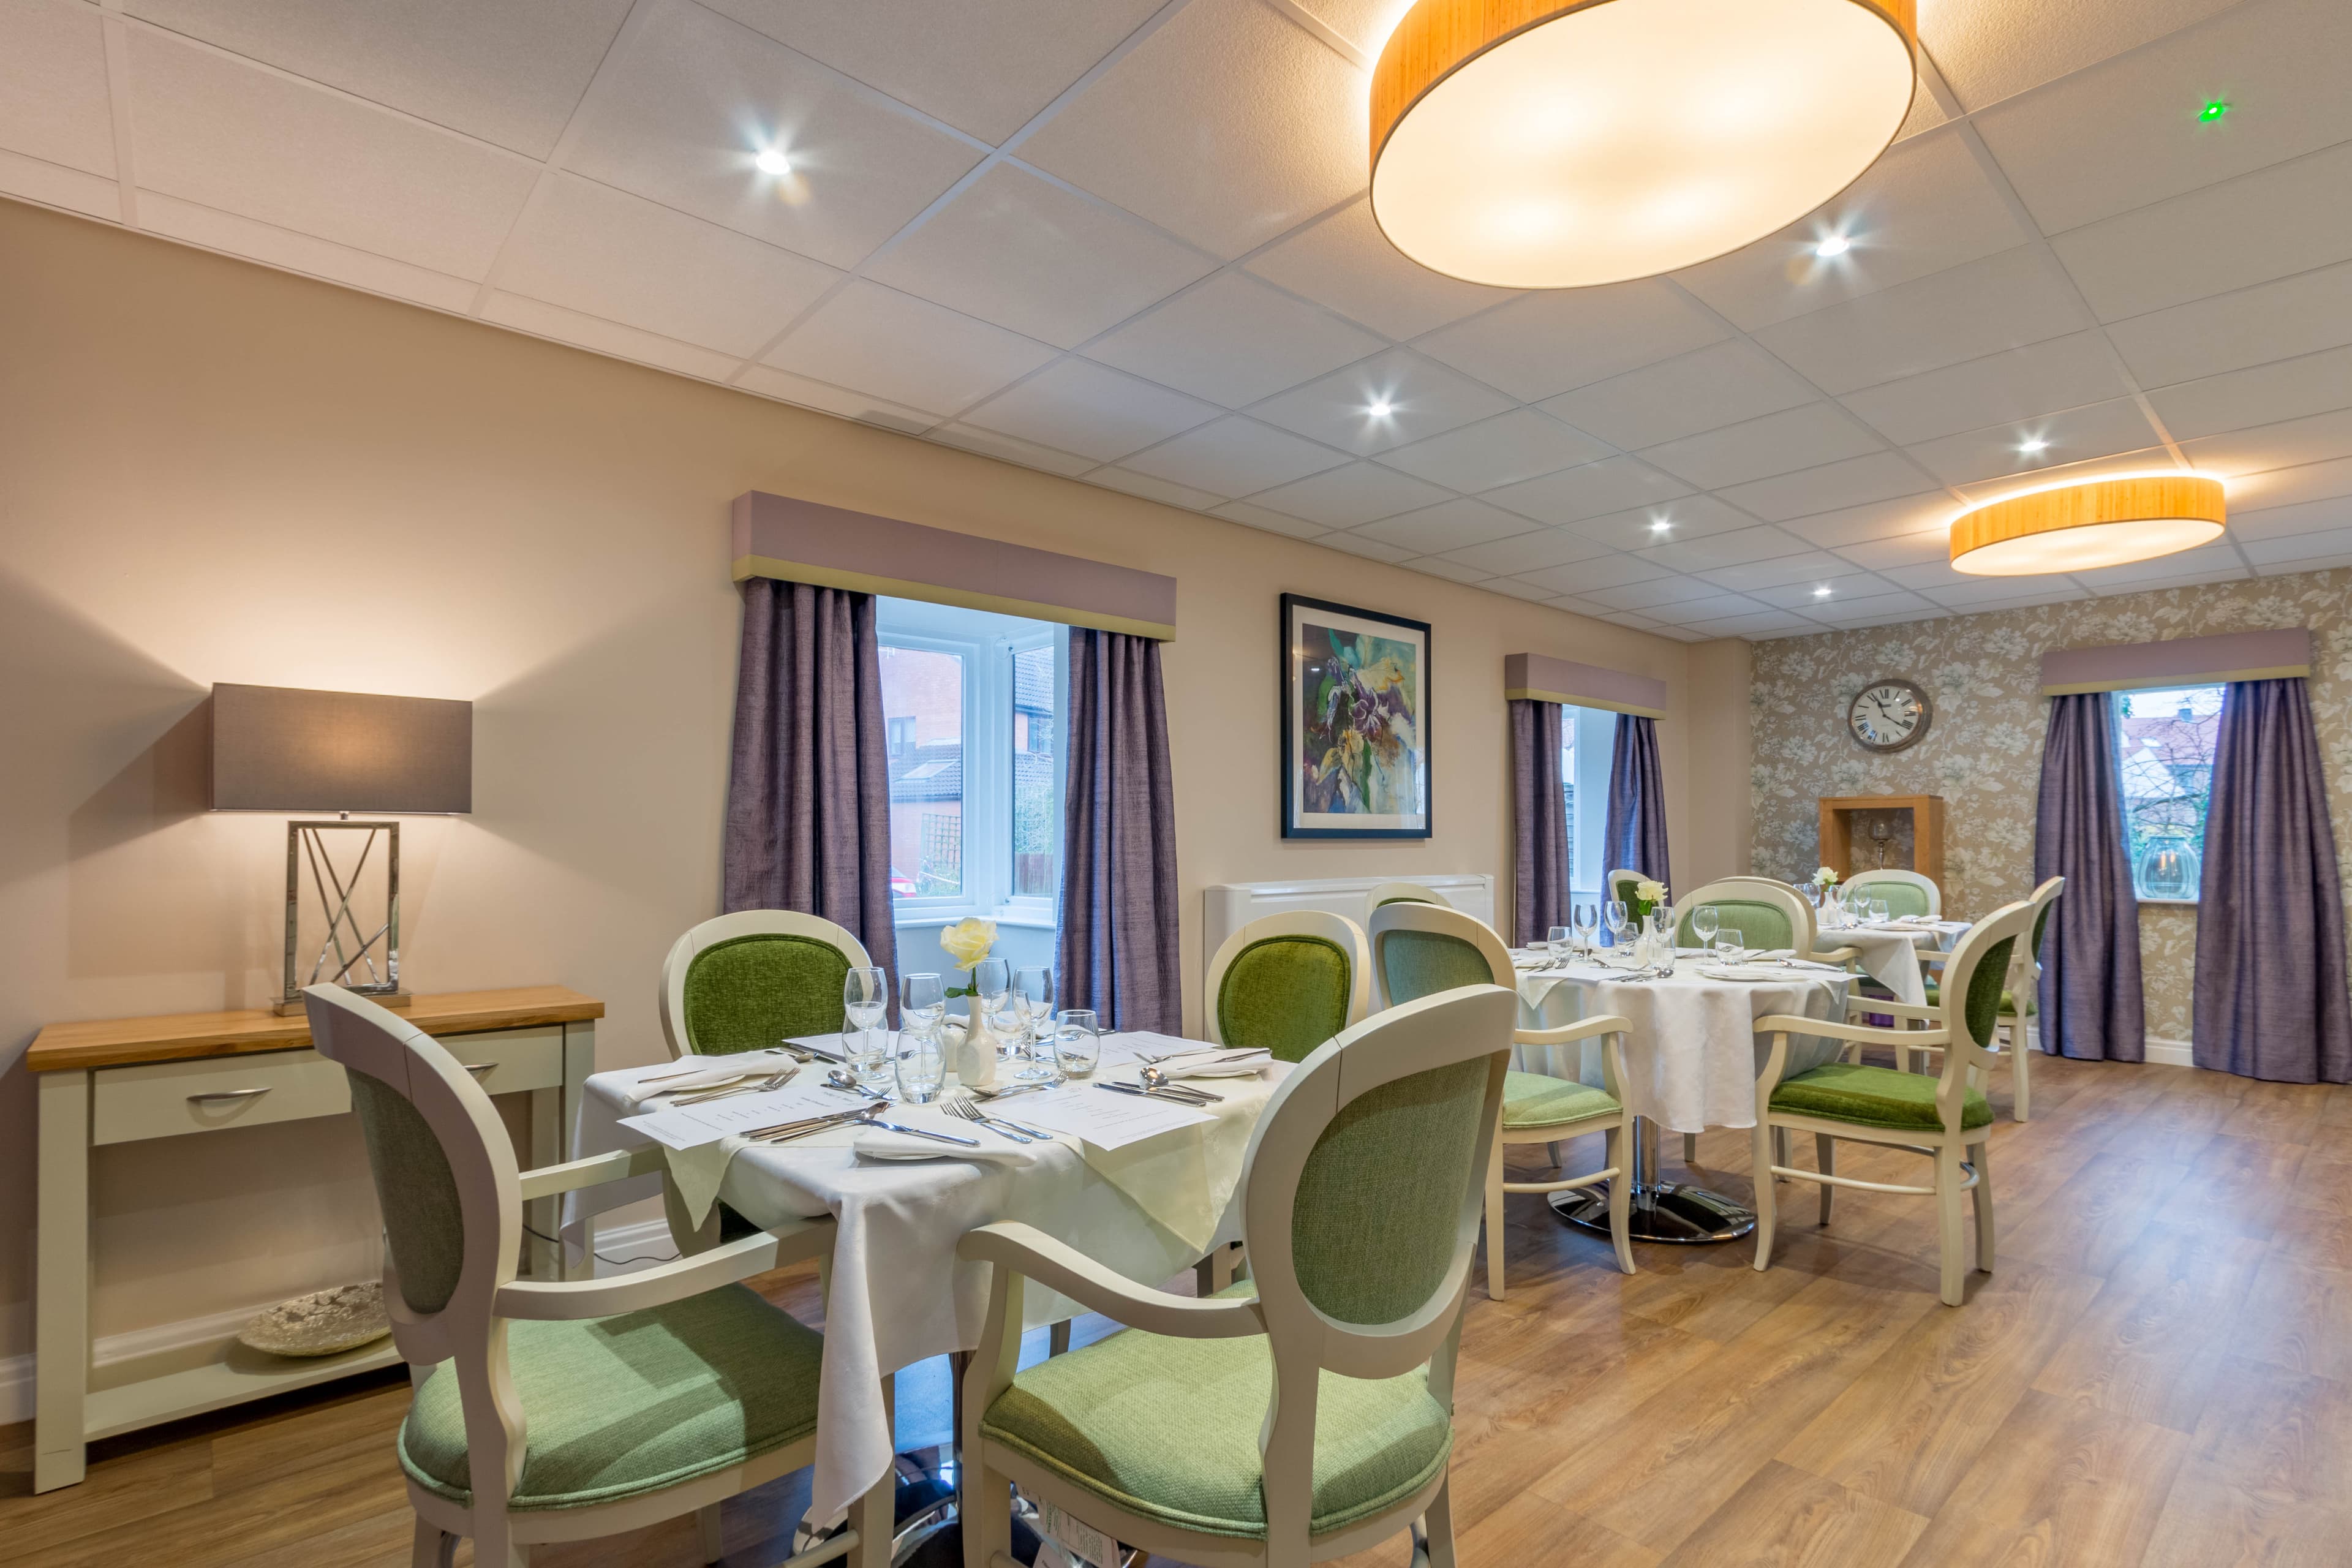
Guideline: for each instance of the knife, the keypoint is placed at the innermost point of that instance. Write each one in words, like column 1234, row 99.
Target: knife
column 923, row 1132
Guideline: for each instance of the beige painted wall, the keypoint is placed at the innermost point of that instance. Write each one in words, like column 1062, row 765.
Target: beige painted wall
column 1716, row 843
column 213, row 472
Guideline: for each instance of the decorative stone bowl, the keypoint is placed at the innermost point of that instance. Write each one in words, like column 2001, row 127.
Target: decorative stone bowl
column 324, row 1322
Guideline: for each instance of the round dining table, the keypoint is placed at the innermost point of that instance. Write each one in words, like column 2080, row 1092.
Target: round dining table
column 1890, row 953
column 1691, row 1056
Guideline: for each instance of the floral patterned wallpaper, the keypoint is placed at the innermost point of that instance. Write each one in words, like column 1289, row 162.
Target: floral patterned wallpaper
column 1983, row 749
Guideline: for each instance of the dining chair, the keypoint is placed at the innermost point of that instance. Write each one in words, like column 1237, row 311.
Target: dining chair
column 1904, row 892
column 1288, row 983
column 1619, row 885
column 1403, row 892
column 1946, row 1117
column 745, row 980
column 554, row 1411
column 1419, row 951
column 1306, row 1412
column 1809, row 918
column 2021, row 1000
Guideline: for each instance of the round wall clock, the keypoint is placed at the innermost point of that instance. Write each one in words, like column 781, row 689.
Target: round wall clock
column 1888, row 715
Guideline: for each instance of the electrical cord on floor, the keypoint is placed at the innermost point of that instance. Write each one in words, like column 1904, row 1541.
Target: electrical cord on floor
column 615, row 1262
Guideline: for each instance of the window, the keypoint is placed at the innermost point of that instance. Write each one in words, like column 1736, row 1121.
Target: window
column 972, row 706
column 1588, row 741
column 2164, row 743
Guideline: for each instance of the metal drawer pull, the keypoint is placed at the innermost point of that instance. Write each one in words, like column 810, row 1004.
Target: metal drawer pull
column 226, row 1094
column 477, row 1069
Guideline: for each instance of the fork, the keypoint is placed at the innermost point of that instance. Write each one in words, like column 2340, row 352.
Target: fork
column 773, row 1080
column 963, row 1109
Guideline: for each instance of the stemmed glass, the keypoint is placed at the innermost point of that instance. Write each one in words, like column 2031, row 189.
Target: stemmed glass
column 1033, row 991
column 1705, row 920
column 922, row 1059
column 865, row 1001
column 1587, row 921
column 992, row 980
column 1620, row 921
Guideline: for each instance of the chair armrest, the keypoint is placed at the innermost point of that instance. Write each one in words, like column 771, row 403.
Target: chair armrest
column 595, row 1170
column 1885, row 1008
column 571, row 1300
column 1832, row 1029
column 1583, row 1029
column 1033, row 1255
column 1835, row 955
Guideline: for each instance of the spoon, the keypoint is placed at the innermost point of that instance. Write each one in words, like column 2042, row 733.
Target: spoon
column 837, row 1079
column 1153, row 1078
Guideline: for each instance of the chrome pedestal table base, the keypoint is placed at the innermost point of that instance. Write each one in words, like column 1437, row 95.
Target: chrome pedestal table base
column 1674, row 1212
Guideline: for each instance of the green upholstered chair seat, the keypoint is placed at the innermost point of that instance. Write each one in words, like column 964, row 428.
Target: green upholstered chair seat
column 2008, row 1001
column 1763, row 925
column 1539, row 1100
column 617, row 1406
column 748, row 992
column 1286, row 994
column 1872, row 1096
column 1167, row 1429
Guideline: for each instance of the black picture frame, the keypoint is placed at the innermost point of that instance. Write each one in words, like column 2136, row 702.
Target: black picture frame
column 1361, row 778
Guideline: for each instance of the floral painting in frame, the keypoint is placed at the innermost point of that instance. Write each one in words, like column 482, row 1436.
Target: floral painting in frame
column 1355, row 722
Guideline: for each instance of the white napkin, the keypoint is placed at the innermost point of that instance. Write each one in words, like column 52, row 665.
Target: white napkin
column 880, row 1144
column 1741, row 971
column 684, row 1074
column 1236, row 1063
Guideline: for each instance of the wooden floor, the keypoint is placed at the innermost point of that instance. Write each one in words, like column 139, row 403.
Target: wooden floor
column 2159, row 1373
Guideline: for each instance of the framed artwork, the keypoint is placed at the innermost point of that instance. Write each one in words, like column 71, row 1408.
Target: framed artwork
column 1355, row 722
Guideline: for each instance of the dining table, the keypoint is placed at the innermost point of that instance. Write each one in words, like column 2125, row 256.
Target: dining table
column 1691, row 1056
column 896, row 1293
column 1889, row 952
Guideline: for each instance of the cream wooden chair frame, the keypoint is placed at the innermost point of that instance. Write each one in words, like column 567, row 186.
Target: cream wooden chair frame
column 1410, row 893
column 1436, row 1031
column 1337, row 930
column 2024, row 985
column 1908, row 878
column 726, row 928
column 1959, row 1153
column 1812, row 922
column 470, row 1329
column 1608, row 1027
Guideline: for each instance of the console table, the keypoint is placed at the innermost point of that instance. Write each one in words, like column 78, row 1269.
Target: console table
column 126, row 1080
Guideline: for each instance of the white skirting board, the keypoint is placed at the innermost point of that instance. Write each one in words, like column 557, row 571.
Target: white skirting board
column 647, row 1243
column 2162, row 1052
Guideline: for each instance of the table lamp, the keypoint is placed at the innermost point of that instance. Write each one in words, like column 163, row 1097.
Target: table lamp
column 276, row 748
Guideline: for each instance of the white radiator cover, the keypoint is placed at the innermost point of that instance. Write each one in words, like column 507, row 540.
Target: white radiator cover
column 1229, row 906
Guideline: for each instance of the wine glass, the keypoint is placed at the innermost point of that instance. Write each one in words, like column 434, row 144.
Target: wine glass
column 1705, row 920
column 865, row 1002
column 1558, row 942
column 1078, row 1042
column 1587, row 921
column 1034, row 988
column 922, row 1002
column 1620, row 921
column 992, row 978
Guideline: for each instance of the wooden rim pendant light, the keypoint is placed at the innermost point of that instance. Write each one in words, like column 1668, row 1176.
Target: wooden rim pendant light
column 2091, row 524
column 1534, row 145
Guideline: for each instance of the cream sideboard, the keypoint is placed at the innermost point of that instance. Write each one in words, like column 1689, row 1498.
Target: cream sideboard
column 129, row 1079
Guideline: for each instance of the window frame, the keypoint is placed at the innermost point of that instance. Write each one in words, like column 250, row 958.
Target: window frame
column 2116, row 703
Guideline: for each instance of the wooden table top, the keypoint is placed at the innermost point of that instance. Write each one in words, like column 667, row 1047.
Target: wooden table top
column 115, row 1042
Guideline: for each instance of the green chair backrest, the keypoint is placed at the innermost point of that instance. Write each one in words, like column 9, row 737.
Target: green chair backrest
column 1285, row 993
column 1405, row 899
column 1985, row 986
column 1762, row 925
column 422, row 1223
column 748, row 992
column 2040, row 923
column 1417, row 964
column 1900, row 898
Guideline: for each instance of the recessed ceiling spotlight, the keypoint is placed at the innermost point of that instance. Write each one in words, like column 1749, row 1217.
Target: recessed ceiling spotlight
column 1821, row 591
column 1381, row 408
column 1660, row 524
column 2034, row 443
column 772, row 160
column 2213, row 110
column 1835, row 244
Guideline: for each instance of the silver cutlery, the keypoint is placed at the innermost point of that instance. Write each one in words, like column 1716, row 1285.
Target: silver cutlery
column 740, row 1085
column 1179, row 1096
column 922, row 1133
column 842, row 1079
column 1016, row 1088
column 1153, row 1078
column 963, row 1109
column 783, row 1132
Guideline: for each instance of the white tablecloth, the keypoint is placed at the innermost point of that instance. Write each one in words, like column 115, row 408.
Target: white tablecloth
column 898, row 1293
column 1692, row 1052
column 1890, row 954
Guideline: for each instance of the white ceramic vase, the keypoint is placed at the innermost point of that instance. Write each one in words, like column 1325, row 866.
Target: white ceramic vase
column 975, row 1050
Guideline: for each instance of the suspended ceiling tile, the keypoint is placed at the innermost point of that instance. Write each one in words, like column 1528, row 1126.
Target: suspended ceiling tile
column 1376, row 549
column 1967, row 603
column 1704, row 612
column 224, row 134
column 1256, row 516
column 2257, row 227
column 1032, row 256
column 1668, row 522
column 1991, row 49
column 1591, row 489
column 1422, row 398
column 1152, row 489
column 2015, row 384
column 592, row 248
column 2286, row 522
column 272, row 246
column 1927, row 207
column 1768, row 576
column 2264, row 395
column 1228, row 126
column 1931, row 544
column 909, row 351
column 2291, row 443
column 1028, row 454
column 1542, row 345
column 1351, row 495
column 1503, row 450
column 2290, row 487
column 2302, row 552
column 2001, row 303
column 1875, row 609
column 1780, row 442
column 1703, row 390
column 2150, row 459
column 53, row 96
column 1452, row 570
column 1234, row 340
column 1533, row 593
column 2095, row 430
column 694, row 97
column 1757, row 624
column 2210, row 563
column 55, row 185
column 1659, row 593
column 1889, row 519
column 1739, row 548
column 1092, row 409
column 1233, row 456
column 1346, row 262
column 985, row 69
column 1588, row 577
column 1530, row 551
column 1447, row 527
column 607, row 337
column 1879, row 476
column 2229, row 332
column 2127, row 133
column 847, row 402
column 1615, row 617
column 1803, row 594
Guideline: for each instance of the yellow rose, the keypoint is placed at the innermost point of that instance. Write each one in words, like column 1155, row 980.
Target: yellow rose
column 968, row 941
column 1650, row 892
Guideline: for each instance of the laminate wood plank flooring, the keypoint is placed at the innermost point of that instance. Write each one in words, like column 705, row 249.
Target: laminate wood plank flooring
column 2158, row 1376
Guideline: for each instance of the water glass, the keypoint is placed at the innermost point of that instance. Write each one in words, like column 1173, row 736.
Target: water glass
column 1078, row 1042
column 922, row 1062
column 1559, row 940
column 1705, row 920
column 1879, row 913
column 1033, row 992
column 1729, row 943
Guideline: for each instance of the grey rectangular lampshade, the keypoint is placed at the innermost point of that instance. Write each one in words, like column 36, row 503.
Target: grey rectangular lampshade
column 276, row 748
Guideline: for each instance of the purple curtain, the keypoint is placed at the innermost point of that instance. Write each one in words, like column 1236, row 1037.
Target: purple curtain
column 2270, row 1000
column 1539, row 821
column 808, row 790
column 2091, row 1001
column 1117, row 944
column 1635, row 839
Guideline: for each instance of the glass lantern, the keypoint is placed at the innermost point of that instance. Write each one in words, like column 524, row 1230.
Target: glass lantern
column 2169, row 868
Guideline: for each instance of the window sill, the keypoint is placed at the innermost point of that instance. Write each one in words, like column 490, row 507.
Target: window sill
column 1021, row 920
column 2169, row 903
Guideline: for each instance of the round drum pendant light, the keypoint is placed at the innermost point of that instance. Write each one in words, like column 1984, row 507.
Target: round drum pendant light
column 2092, row 523
column 1534, row 145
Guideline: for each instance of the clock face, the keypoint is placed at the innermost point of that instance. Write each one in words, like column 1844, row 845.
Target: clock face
column 1888, row 715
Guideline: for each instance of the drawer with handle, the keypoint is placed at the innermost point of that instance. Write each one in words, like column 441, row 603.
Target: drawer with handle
column 160, row 1099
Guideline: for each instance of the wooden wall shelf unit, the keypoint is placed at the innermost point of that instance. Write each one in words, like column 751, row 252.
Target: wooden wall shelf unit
column 1846, row 845
column 123, row 1080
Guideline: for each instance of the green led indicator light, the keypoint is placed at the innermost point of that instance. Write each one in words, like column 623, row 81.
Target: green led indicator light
column 2214, row 110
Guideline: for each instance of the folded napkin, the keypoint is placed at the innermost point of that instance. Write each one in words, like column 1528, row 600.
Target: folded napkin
column 880, row 1144
column 1742, row 972
column 1236, row 1063
column 686, row 1074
